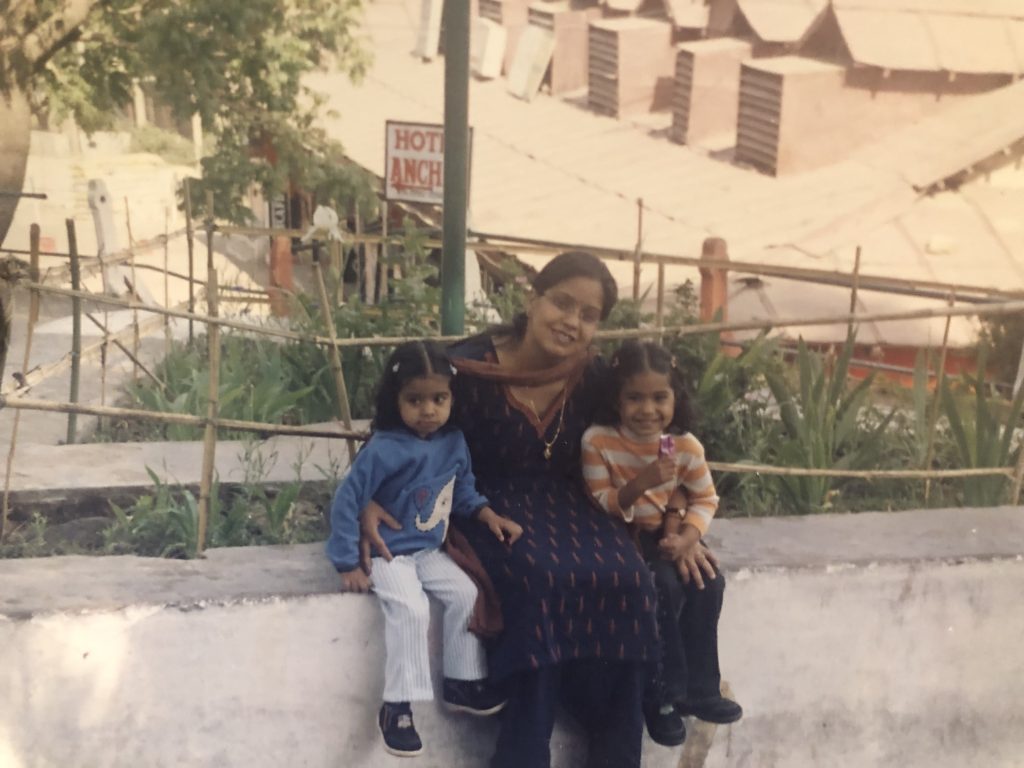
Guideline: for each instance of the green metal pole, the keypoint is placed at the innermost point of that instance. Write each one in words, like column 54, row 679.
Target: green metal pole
column 456, row 159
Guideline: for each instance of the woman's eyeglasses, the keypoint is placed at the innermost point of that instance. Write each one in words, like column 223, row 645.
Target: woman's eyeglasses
column 563, row 302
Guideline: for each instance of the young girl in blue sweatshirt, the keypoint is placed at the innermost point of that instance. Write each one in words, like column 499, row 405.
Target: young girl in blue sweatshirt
column 417, row 469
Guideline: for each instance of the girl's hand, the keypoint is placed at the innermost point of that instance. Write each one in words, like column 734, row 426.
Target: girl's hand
column 658, row 472
column 369, row 534
column 695, row 563
column 506, row 530
column 355, row 580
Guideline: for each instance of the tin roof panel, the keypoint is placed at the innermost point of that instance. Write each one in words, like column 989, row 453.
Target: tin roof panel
column 887, row 40
column 781, row 21
column 933, row 36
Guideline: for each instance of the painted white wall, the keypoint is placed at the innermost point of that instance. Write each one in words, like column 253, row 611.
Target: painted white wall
column 249, row 658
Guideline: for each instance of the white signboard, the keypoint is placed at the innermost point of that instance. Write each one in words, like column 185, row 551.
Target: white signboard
column 414, row 162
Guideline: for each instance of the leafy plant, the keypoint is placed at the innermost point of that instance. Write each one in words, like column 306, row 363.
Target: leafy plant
column 162, row 524
column 736, row 423
column 983, row 428
column 824, row 421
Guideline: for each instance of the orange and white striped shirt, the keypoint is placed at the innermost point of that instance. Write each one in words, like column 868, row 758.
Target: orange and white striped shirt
column 612, row 456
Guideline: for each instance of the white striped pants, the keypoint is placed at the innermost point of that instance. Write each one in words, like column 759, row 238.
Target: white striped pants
column 402, row 586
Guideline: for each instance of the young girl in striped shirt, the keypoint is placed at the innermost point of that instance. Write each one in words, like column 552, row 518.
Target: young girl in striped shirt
column 642, row 464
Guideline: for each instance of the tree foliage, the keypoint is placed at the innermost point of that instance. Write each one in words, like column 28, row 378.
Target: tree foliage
column 238, row 64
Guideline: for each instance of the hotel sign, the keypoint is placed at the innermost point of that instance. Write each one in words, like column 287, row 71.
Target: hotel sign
column 414, row 162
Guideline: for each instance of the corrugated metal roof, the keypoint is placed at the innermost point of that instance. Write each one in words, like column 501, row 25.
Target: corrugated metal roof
column 552, row 170
column 690, row 14
column 781, row 21
column 1007, row 9
column 953, row 139
column 623, row 6
column 928, row 39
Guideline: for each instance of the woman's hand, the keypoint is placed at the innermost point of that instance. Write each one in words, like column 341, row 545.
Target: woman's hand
column 355, row 580
column 369, row 534
column 693, row 560
column 506, row 530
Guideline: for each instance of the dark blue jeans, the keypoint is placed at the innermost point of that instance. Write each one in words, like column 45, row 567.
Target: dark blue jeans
column 688, row 630
column 603, row 696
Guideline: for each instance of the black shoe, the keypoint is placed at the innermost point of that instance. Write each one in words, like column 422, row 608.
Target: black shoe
column 713, row 709
column 473, row 696
column 400, row 737
column 665, row 728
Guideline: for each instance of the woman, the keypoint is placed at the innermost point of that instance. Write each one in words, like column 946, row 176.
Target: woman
column 576, row 598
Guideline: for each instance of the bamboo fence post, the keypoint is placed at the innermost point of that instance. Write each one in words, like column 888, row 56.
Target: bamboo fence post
column 1018, row 475
column 127, row 352
column 190, row 235
column 326, row 311
column 853, row 292
column 210, row 431
column 933, row 418
column 33, row 271
column 638, row 253
column 167, row 288
column 370, row 262
column 360, row 258
column 33, row 318
column 385, row 250
column 660, row 311
column 1019, row 378
column 103, row 363
column 208, row 223
column 76, row 327
column 134, row 289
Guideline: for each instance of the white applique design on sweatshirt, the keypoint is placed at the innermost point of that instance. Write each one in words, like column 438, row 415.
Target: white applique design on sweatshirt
column 442, row 510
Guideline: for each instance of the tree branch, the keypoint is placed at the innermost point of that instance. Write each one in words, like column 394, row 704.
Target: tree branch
column 13, row 17
column 56, row 31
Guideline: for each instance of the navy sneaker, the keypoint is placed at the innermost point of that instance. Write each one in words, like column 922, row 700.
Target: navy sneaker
column 712, row 709
column 665, row 728
column 473, row 696
column 396, row 726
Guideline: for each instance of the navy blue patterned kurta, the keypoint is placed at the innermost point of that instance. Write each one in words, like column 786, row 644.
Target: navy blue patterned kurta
column 574, row 586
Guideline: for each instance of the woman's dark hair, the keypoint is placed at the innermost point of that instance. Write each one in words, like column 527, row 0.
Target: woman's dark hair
column 408, row 361
column 634, row 357
column 565, row 266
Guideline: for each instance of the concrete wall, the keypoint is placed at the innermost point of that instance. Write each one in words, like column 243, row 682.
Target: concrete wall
column 859, row 640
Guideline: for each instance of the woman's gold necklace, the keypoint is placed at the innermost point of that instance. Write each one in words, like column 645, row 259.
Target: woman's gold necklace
column 558, row 430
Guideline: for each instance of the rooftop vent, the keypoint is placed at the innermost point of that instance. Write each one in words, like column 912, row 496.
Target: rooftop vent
column 631, row 66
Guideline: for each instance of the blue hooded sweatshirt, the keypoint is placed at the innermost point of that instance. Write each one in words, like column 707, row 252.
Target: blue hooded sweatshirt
column 420, row 481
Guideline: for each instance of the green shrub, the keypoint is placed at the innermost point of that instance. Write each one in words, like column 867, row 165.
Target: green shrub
column 983, row 426
column 827, row 425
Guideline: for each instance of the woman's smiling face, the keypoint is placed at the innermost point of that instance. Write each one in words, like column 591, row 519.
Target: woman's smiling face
column 563, row 320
